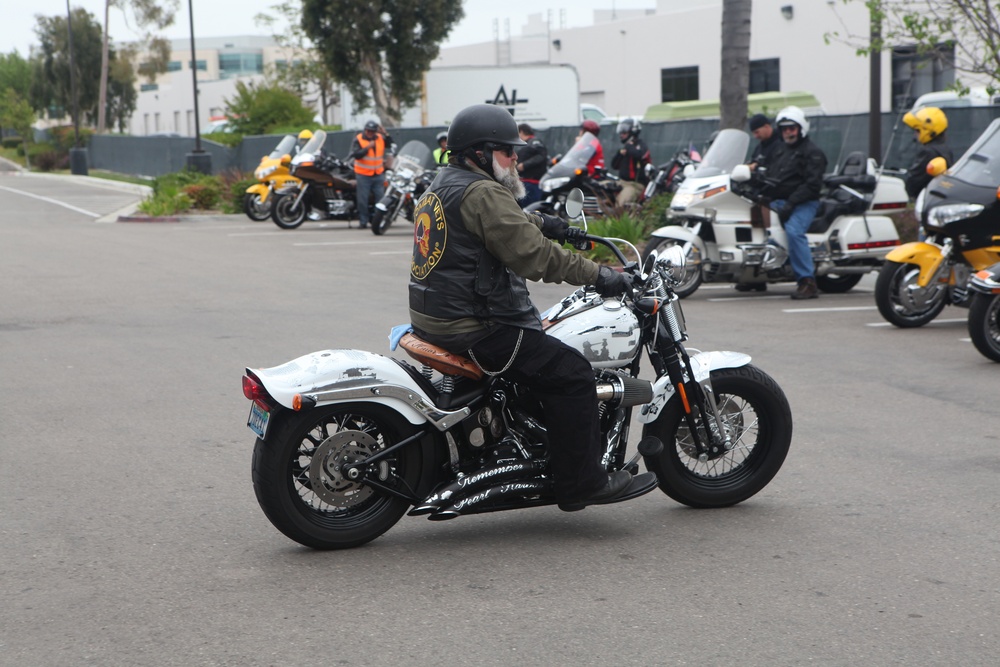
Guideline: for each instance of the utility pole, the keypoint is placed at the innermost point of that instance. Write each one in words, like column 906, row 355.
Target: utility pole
column 875, row 88
column 198, row 159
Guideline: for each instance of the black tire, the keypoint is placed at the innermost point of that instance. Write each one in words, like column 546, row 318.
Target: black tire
column 757, row 417
column 338, row 513
column 832, row 283
column 284, row 215
column 984, row 324
column 901, row 306
column 382, row 220
column 376, row 222
column 255, row 210
column 692, row 272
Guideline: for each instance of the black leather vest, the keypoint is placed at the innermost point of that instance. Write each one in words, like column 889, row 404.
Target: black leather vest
column 452, row 275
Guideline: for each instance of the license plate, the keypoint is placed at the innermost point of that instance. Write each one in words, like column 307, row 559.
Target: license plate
column 257, row 422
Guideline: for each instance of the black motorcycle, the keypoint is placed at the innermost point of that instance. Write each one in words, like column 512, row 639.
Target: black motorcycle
column 668, row 176
column 570, row 172
column 984, row 311
column 328, row 190
column 409, row 178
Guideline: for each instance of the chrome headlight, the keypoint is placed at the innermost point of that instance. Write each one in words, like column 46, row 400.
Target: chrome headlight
column 942, row 215
column 554, row 183
column 685, row 199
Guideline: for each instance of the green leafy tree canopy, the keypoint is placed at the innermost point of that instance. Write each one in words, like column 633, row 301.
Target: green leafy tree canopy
column 380, row 49
column 255, row 110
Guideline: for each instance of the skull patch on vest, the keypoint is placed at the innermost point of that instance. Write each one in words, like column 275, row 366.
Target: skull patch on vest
column 430, row 233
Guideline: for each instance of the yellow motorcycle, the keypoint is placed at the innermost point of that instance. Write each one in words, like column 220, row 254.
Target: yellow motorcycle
column 273, row 172
column 960, row 212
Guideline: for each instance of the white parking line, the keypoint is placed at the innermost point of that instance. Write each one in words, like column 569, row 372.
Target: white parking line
column 826, row 310
column 339, row 243
column 53, row 201
column 392, row 252
column 946, row 321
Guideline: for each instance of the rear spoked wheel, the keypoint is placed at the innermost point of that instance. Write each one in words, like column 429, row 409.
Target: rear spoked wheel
column 299, row 475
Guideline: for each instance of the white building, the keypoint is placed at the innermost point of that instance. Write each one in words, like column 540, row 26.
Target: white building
column 627, row 60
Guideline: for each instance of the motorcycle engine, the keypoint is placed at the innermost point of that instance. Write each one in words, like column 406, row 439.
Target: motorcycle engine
column 339, row 207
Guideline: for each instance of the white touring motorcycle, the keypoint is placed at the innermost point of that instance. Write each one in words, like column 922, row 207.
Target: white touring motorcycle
column 717, row 218
column 349, row 441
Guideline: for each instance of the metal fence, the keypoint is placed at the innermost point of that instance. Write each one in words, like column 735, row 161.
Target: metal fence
column 836, row 135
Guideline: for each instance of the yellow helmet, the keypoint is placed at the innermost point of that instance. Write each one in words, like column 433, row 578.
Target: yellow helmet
column 305, row 135
column 930, row 122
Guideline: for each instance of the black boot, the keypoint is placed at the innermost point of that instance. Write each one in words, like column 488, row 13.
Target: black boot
column 806, row 290
column 617, row 482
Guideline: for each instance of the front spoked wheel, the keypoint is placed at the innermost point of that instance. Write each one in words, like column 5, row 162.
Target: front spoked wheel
column 299, row 479
column 756, row 429
column 901, row 300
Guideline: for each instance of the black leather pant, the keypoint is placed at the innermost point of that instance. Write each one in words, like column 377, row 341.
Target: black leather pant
column 563, row 381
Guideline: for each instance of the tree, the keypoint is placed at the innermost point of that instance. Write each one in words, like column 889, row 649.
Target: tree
column 380, row 49
column 147, row 15
column 17, row 114
column 15, row 75
column 735, row 63
column 304, row 70
column 256, row 110
column 50, row 82
column 970, row 27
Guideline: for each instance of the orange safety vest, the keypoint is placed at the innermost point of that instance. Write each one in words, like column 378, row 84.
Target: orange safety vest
column 370, row 165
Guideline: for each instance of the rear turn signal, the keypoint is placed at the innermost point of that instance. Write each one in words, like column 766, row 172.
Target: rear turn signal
column 252, row 389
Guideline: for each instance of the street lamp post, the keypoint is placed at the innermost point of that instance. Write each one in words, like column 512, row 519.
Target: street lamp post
column 78, row 153
column 198, row 159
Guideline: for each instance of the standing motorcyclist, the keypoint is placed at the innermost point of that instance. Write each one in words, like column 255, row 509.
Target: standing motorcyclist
column 368, row 150
column 441, row 152
column 798, row 176
column 469, row 295
column 929, row 125
column 630, row 161
column 532, row 161
column 596, row 163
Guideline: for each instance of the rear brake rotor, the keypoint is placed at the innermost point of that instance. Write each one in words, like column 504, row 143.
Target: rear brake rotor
column 330, row 459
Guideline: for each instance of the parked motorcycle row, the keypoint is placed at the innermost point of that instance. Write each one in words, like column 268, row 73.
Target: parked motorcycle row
column 348, row 441
column 312, row 184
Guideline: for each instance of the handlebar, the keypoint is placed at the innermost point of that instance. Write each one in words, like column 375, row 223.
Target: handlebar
column 581, row 240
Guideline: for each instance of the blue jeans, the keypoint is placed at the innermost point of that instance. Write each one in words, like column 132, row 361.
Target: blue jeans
column 798, row 247
column 366, row 186
column 532, row 193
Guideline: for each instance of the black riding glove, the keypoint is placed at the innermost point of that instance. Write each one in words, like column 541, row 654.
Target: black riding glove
column 554, row 228
column 785, row 212
column 612, row 283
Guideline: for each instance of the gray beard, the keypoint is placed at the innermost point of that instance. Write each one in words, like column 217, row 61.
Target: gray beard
column 509, row 179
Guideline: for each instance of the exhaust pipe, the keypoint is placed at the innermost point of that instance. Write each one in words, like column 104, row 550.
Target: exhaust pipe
column 473, row 504
column 464, row 487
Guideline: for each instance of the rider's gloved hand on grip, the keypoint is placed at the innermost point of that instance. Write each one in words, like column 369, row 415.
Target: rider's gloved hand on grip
column 611, row 282
column 554, row 227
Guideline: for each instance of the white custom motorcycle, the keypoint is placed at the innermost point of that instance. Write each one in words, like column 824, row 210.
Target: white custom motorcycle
column 728, row 235
column 348, row 441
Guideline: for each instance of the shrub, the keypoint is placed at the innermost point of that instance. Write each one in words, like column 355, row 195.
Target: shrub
column 628, row 226
column 12, row 142
column 50, row 161
column 165, row 200
column 234, row 187
column 203, row 195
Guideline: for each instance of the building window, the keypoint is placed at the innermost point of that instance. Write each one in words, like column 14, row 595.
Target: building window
column 143, row 87
column 174, row 66
column 678, row 84
column 914, row 74
column 202, row 65
column 765, row 76
column 240, row 64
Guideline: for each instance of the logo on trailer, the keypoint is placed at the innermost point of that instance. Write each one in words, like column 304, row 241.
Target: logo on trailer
column 430, row 233
column 510, row 103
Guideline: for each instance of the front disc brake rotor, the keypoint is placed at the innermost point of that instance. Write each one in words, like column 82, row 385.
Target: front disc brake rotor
column 329, row 460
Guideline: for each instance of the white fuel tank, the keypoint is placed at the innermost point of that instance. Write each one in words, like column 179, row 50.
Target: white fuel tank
column 607, row 334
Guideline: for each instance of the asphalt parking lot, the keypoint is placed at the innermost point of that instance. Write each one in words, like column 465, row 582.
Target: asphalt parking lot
column 131, row 535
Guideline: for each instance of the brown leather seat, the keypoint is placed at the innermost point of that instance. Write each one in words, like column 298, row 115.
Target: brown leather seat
column 439, row 358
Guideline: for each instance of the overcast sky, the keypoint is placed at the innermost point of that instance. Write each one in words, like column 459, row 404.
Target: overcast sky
column 221, row 18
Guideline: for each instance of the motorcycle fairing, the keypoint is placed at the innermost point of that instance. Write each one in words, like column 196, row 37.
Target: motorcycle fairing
column 861, row 229
column 928, row 256
column 682, row 235
column 703, row 364
column 335, row 376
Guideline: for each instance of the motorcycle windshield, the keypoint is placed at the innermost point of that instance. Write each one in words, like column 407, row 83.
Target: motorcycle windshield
column 576, row 158
column 285, row 147
column 980, row 165
column 314, row 145
column 728, row 150
column 415, row 155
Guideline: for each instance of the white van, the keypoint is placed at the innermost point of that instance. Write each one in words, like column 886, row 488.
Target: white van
column 949, row 99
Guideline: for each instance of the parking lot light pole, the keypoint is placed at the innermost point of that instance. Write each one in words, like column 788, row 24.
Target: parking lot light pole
column 198, row 159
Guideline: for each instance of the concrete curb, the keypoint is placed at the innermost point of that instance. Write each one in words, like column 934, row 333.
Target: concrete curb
column 121, row 186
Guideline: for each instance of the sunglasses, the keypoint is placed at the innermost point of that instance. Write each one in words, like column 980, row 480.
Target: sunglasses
column 505, row 149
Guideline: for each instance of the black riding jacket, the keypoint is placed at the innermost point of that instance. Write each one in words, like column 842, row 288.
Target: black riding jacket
column 797, row 170
column 535, row 158
column 917, row 177
column 630, row 165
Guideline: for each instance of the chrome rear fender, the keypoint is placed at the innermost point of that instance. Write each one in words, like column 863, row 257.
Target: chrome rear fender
column 342, row 376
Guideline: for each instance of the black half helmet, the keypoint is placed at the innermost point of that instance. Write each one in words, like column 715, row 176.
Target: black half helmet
column 480, row 124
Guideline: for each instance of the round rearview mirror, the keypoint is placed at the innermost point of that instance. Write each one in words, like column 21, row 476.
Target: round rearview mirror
column 574, row 203
column 741, row 173
column 937, row 166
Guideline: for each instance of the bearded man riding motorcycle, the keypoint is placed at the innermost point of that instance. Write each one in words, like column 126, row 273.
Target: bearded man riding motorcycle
column 473, row 249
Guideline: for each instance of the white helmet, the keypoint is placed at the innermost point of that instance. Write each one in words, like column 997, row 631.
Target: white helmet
column 790, row 115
